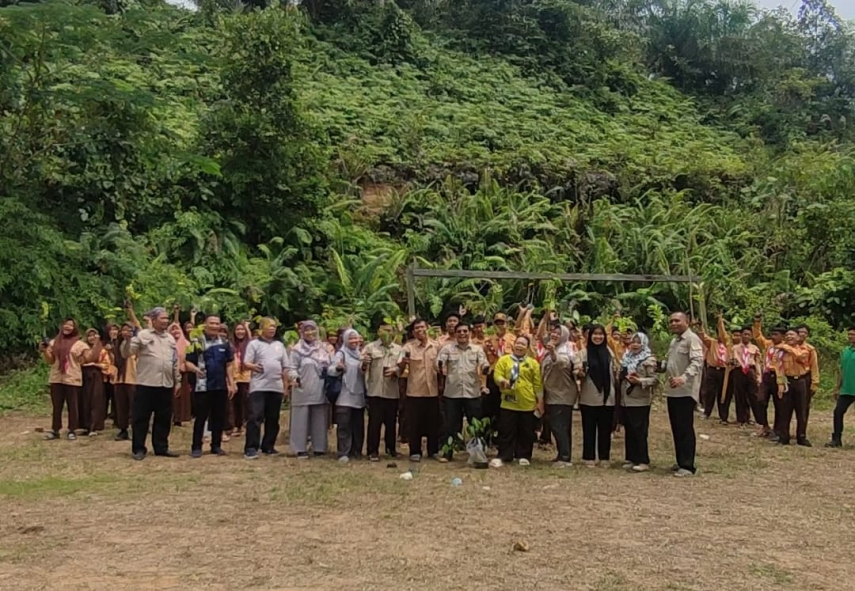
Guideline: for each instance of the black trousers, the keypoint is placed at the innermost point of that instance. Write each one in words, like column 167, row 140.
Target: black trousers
column 795, row 401
column 262, row 406
column 597, row 424
column 637, row 423
column 211, row 407
column 516, row 434
column 560, row 417
column 744, row 393
column 492, row 402
column 350, row 431
column 767, row 391
column 681, row 414
column 712, row 385
column 423, row 420
column 843, row 404
column 382, row 414
column 454, row 409
column 149, row 400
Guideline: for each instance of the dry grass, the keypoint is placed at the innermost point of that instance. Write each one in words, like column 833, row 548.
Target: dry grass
column 82, row 515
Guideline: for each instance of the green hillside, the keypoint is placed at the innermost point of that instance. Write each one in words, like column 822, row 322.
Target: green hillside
column 292, row 161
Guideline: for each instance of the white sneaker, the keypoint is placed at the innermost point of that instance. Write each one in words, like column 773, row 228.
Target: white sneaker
column 683, row 473
column 641, row 468
column 627, row 465
column 560, row 464
column 524, row 462
column 343, row 460
column 496, row 463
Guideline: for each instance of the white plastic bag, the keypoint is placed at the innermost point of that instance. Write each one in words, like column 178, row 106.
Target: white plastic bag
column 475, row 449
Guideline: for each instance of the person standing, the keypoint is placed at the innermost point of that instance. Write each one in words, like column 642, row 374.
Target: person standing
column 813, row 366
column 499, row 344
column 66, row 354
column 519, row 377
column 597, row 397
column 638, row 380
column 462, row 366
column 183, row 406
column 211, row 358
column 307, row 368
column 241, row 338
column 449, row 336
column 745, row 376
column 844, row 394
column 350, row 407
column 793, row 388
column 125, row 380
column 382, row 391
column 418, row 357
column 560, row 392
column 158, row 381
column 717, row 360
column 93, row 409
column 769, row 382
column 267, row 361
column 682, row 372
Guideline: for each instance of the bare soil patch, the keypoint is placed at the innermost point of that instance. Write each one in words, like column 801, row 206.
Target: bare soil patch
column 82, row 515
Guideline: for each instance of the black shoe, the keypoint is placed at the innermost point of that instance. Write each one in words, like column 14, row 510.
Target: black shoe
column 783, row 441
column 804, row 442
column 320, row 454
column 834, row 443
column 723, row 422
column 122, row 436
column 167, row 454
column 139, row 456
column 218, row 451
column 270, row 452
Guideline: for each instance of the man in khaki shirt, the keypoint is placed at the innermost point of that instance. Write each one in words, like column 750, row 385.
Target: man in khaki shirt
column 419, row 357
column 462, row 366
column 683, row 373
column 158, row 381
column 381, row 377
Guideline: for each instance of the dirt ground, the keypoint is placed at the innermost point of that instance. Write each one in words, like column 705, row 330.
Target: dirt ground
column 82, row 515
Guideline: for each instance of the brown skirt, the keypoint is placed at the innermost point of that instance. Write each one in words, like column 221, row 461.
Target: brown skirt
column 92, row 408
column 181, row 410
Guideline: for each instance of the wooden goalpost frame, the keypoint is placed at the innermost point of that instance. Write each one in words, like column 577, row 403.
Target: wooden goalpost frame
column 413, row 271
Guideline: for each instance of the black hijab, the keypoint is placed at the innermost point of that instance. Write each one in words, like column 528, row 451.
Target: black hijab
column 600, row 362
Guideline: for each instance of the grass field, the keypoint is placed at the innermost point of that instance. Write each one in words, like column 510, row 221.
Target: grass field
column 82, row 515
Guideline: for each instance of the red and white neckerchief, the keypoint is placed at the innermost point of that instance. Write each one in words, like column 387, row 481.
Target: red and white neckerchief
column 541, row 351
column 721, row 354
column 772, row 353
column 745, row 361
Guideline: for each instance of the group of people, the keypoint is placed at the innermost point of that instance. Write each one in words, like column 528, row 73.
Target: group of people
column 418, row 389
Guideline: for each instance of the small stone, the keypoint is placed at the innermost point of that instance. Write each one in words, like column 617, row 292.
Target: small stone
column 521, row 546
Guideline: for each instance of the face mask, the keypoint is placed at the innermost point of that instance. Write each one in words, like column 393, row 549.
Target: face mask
column 385, row 338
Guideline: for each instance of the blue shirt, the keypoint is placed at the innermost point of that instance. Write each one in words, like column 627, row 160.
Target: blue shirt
column 212, row 356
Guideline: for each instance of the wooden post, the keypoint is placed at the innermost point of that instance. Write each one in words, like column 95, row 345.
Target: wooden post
column 411, row 290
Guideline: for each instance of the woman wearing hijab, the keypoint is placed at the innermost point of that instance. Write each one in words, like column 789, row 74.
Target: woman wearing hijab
column 181, row 404
column 91, row 406
column 125, row 380
column 241, row 338
column 520, row 383
column 597, row 399
column 66, row 354
column 350, row 406
column 638, row 379
column 560, row 391
column 307, row 367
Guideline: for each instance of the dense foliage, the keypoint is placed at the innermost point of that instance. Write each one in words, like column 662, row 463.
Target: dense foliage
column 292, row 160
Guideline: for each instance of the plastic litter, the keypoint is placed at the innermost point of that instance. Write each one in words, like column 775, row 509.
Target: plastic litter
column 406, row 475
column 456, row 481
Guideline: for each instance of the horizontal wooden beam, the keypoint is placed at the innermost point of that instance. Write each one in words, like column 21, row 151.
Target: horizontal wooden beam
column 468, row 274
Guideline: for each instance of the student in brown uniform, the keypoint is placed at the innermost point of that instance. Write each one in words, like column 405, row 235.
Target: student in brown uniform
column 769, row 382
column 66, row 354
column 500, row 343
column 716, row 360
column 125, row 379
column 92, row 407
column 745, row 376
column 813, row 364
column 419, row 357
column 793, row 389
